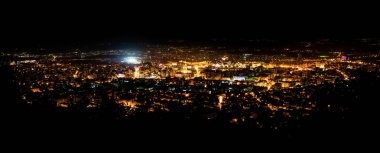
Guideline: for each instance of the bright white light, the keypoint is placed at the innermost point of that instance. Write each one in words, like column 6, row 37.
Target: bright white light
column 131, row 60
column 121, row 75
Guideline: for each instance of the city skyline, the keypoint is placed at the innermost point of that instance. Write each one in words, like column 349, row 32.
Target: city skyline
column 195, row 86
column 285, row 74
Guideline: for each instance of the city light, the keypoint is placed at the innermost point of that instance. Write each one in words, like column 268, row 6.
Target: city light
column 121, row 75
column 131, row 60
column 243, row 89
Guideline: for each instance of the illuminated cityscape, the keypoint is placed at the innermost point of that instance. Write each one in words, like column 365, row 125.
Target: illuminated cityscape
column 226, row 76
column 247, row 88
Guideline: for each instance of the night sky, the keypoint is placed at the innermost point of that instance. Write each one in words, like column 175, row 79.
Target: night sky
column 31, row 26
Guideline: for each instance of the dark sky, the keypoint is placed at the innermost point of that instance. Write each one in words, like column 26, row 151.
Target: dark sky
column 28, row 26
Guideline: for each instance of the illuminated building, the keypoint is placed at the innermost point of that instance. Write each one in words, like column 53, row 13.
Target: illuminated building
column 343, row 58
column 137, row 72
column 220, row 101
